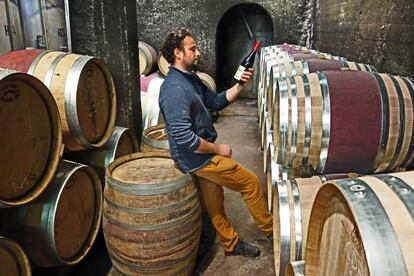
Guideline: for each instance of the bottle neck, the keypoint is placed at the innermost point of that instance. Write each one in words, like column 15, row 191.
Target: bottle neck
column 254, row 50
column 256, row 45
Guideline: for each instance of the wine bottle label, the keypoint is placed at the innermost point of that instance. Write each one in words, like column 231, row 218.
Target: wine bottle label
column 239, row 72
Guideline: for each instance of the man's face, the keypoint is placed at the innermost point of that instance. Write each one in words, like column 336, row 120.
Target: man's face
column 189, row 57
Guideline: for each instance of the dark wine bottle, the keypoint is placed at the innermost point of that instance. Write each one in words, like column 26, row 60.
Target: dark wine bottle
column 247, row 62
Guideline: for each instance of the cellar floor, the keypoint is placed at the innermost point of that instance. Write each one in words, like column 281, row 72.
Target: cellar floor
column 237, row 126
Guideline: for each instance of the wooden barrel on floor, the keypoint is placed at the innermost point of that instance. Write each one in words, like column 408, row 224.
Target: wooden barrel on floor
column 295, row 269
column 291, row 201
column 276, row 172
column 150, row 202
column 155, row 139
column 82, row 87
column 363, row 226
column 30, row 140
column 121, row 143
column 14, row 261
column 147, row 58
column 341, row 121
column 60, row 226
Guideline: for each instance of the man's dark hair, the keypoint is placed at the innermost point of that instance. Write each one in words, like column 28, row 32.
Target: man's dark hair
column 172, row 41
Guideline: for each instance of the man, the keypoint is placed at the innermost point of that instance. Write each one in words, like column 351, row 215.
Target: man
column 183, row 101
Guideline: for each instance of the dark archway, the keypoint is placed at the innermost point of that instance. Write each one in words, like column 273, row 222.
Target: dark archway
column 234, row 41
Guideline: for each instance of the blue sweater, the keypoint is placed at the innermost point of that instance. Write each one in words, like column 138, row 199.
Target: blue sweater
column 183, row 101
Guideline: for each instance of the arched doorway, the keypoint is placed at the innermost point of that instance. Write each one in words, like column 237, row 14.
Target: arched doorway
column 236, row 32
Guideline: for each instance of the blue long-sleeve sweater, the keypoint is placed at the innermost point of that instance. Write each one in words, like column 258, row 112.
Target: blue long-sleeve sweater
column 183, row 101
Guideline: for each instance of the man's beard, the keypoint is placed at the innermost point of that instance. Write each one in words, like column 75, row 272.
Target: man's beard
column 193, row 67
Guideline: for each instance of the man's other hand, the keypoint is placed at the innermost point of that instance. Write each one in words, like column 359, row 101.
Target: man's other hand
column 224, row 150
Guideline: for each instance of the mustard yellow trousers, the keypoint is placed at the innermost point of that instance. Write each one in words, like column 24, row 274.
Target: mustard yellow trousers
column 225, row 172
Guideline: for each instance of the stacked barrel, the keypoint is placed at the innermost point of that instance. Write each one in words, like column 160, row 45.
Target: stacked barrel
column 321, row 115
column 50, row 103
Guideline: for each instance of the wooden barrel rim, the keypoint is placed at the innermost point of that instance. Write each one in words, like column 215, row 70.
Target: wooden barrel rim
column 207, row 80
column 272, row 87
column 48, row 222
column 71, row 88
column 294, row 122
column 296, row 268
column 112, row 143
column 283, row 108
column 150, row 57
column 56, row 144
column 158, row 144
column 410, row 154
column 291, row 206
column 268, row 139
column 36, row 60
column 401, row 129
column 163, row 65
column 364, row 205
column 151, row 188
column 18, row 254
column 281, row 234
column 271, row 175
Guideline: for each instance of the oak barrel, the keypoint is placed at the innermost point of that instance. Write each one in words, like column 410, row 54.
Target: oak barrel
column 295, row 269
column 151, row 114
column 145, row 81
column 60, row 226
column 299, row 68
column 155, row 139
column 263, row 52
column 163, row 65
column 121, row 143
column 150, row 109
column 30, row 140
column 267, row 138
column 152, row 216
column 269, row 60
column 207, row 80
column 292, row 202
column 363, row 226
column 82, row 87
column 147, row 58
column 341, row 121
column 13, row 260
